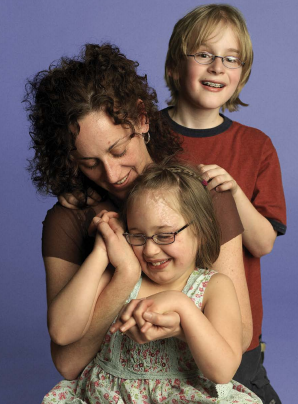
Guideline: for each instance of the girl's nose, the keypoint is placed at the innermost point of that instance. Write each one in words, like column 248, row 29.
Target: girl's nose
column 151, row 248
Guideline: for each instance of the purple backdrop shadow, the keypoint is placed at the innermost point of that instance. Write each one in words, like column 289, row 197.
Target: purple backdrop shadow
column 32, row 35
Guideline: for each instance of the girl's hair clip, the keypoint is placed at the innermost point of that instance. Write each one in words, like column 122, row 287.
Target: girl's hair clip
column 204, row 183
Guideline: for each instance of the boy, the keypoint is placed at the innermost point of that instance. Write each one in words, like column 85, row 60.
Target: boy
column 208, row 62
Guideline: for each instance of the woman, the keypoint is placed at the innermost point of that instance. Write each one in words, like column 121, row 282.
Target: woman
column 90, row 119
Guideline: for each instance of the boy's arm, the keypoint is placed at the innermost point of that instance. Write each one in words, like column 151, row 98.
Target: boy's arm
column 259, row 235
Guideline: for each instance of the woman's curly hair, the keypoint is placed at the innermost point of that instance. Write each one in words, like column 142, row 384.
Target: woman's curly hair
column 100, row 78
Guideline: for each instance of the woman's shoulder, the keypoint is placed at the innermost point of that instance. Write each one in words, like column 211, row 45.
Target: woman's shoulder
column 61, row 217
column 65, row 233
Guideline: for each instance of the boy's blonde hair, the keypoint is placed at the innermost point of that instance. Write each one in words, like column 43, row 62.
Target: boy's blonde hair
column 198, row 26
column 183, row 184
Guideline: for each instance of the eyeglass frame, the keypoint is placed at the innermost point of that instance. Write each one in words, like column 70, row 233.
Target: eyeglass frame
column 145, row 238
column 214, row 57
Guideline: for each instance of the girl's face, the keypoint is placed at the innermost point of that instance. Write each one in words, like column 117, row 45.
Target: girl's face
column 208, row 87
column 170, row 265
column 108, row 155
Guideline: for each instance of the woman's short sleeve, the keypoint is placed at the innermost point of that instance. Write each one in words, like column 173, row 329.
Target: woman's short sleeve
column 227, row 215
column 65, row 234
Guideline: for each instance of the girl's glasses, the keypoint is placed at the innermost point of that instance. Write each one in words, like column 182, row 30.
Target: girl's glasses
column 161, row 238
column 206, row 58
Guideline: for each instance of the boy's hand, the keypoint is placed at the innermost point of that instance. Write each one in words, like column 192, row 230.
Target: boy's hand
column 218, row 178
column 76, row 200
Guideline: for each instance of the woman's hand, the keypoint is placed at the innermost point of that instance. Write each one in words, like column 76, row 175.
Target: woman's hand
column 76, row 200
column 218, row 178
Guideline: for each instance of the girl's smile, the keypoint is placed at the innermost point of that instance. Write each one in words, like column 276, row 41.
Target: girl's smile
column 154, row 212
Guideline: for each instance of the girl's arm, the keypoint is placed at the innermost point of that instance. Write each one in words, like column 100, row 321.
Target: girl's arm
column 113, row 289
column 214, row 336
column 70, row 311
column 259, row 235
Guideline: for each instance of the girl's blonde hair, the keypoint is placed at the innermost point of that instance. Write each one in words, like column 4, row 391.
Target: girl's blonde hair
column 194, row 29
column 194, row 203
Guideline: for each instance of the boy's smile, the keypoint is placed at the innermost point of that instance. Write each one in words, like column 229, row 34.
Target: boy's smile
column 208, row 87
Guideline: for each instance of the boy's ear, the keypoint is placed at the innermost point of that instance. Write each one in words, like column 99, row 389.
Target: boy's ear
column 173, row 73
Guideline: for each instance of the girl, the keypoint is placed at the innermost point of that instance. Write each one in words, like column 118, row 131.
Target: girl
column 174, row 236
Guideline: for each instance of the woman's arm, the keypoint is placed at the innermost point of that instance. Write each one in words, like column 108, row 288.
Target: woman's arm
column 230, row 263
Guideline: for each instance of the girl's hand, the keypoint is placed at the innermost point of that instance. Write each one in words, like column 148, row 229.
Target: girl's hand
column 150, row 319
column 120, row 253
column 163, row 326
column 218, row 178
column 76, row 200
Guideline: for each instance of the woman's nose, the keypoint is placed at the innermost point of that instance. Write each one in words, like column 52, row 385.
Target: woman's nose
column 112, row 171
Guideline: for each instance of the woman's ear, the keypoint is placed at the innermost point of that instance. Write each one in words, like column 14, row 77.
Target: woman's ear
column 143, row 126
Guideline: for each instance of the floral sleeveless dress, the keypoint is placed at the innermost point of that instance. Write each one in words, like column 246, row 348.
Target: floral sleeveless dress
column 161, row 371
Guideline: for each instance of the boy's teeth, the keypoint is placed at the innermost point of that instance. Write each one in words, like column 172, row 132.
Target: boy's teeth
column 121, row 181
column 210, row 84
column 155, row 264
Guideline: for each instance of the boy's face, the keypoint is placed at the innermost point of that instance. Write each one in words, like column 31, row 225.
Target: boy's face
column 196, row 80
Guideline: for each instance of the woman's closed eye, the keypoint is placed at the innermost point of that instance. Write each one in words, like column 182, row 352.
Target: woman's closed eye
column 91, row 166
column 118, row 153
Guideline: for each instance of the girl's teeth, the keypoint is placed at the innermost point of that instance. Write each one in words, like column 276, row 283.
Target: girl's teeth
column 121, row 181
column 155, row 264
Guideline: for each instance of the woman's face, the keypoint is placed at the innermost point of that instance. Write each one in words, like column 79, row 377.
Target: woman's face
column 108, row 155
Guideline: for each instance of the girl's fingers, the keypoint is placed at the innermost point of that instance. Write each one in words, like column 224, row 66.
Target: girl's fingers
column 146, row 327
column 128, row 310
column 128, row 324
column 167, row 320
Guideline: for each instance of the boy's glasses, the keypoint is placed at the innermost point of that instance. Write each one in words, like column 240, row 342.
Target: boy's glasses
column 161, row 238
column 206, row 58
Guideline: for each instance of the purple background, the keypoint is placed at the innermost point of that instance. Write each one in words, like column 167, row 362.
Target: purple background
column 32, row 35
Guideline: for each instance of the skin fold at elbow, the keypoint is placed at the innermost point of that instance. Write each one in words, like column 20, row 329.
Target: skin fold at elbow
column 226, row 374
column 62, row 336
column 68, row 367
column 66, row 371
column 262, row 249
